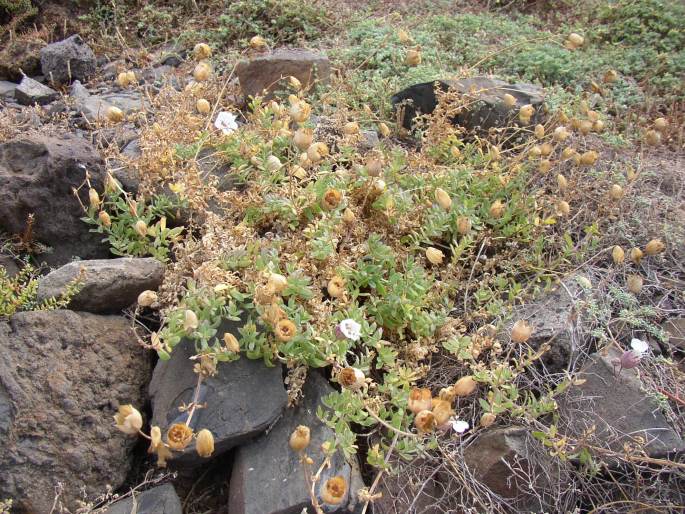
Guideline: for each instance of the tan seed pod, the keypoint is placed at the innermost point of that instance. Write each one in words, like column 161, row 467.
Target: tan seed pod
column 661, row 124
column 563, row 208
column 141, row 228
column 231, row 342
column 403, row 36
column 273, row 163
column 592, row 115
column 598, row 126
column 300, row 438
column 535, row 152
column 525, row 113
column 384, row 129
column 562, row 183
column 487, row 419
column 618, row 255
column 258, row 43
column 442, row 412
column 300, row 111
column 560, row 134
column 336, row 287
column 147, row 298
column 443, row 198
column 298, row 172
column 610, row 77
column 419, row 400
column 463, row 225
column 105, row 219
column 179, row 436
column 413, row 58
column 585, row 127
column 351, row 378
column 351, row 128
column 334, row 490
column 203, row 106
column 204, row 443
column 509, row 100
column 202, row 51
column 276, row 283
column 464, row 386
column 589, row 158
column 521, row 331
column 202, row 71
column 576, row 40
column 190, row 321
column 615, row 192
column 348, row 216
column 434, row 256
column 652, row 137
column 497, row 209
column 331, row 199
column 494, row 153
column 546, row 149
column 303, row 138
column 539, row 131
column 424, row 422
column 654, row 247
column 93, row 198
column 294, row 83
column 544, row 166
column 123, row 79
column 636, row 255
column 635, row 283
column 114, row 114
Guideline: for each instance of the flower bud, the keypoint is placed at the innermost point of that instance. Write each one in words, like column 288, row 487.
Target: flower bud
column 114, row 114
column 204, row 443
column 336, row 287
column 443, row 199
column 487, row 419
column 351, row 378
column 424, row 421
column 618, row 255
column 654, row 247
column 231, row 343
column 141, row 228
column 202, row 106
column 179, row 436
column 334, row 490
column 128, row 419
column 635, row 283
column 419, row 400
column 202, row 51
column 147, row 298
column 190, row 321
column 300, row 438
column 105, row 219
column 521, row 331
column 434, row 256
column 464, row 386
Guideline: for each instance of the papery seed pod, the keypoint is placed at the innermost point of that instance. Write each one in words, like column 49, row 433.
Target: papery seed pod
column 598, row 126
column 589, row 158
column 316, row 152
column 93, row 198
column 413, row 58
column 494, row 153
column 442, row 412
column 636, row 255
column 231, row 342
column 300, row 111
column 298, row 172
column 424, row 422
column 463, row 225
column 123, row 79
column 203, row 106
column 563, row 117
column 147, row 298
column 132, row 77
column 202, row 51
column 336, row 287
column 128, row 419
column 592, row 115
column 105, row 219
column 618, row 255
column 635, row 284
column 562, row 183
column 539, row 131
column 576, row 40
column 202, row 71
column 610, row 77
column 585, row 127
column 204, row 443
column 384, row 129
column 434, row 256
column 258, row 43
column 300, row 438
column 464, row 386
column 546, row 149
column 294, row 83
column 509, row 100
column 443, row 198
column 455, row 152
column 351, row 378
column 179, row 436
column 331, row 199
column 379, row 186
column 560, row 134
column 277, row 283
column 190, row 321
column 351, row 128
column 374, row 165
column 114, row 114
column 334, row 490
column 568, row 152
column 285, row 330
column 497, row 209
column 141, row 228
column 521, row 331
column 654, row 247
column 348, row 216
column 403, row 36
column 615, row 192
column 652, row 137
column 303, row 138
column 487, row 419
column 273, row 163
column 544, row 166
column 420, row 399
column 535, row 152
column 563, row 208
column 661, row 124
column 525, row 113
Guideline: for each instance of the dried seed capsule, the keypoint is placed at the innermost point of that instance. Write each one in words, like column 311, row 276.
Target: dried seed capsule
column 434, row 256
column 616, row 192
column 560, row 134
column 443, row 198
column 190, row 321
column 464, row 386
column 419, row 400
column 521, row 331
column 413, row 58
column 257, row 43
column 203, row 106
column 442, row 412
column 300, row 438
column 654, row 247
column 285, row 330
column 202, row 71
column 105, row 219
column 562, row 183
column 114, row 114
column 128, row 419
column 331, row 199
column 231, row 342
column 351, row 128
column 202, row 51
column 147, row 298
column 563, row 208
column 179, row 436
column 497, row 209
column 204, row 443
column 539, row 131
column 336, row 287
column 636, row 255
column 487, row 419
column 618, row 255
column 424, row 422
column 463, row 225
column 652, row 137
column 351, row 378
column 545, row 165
column 635, row 284
column 141, row 228
column 277, row 283
column 509, row 100
column 661, row 124
column 589, row 158
column 334, row 490
column 384, row 129
column 610, row 77
column 303, row 138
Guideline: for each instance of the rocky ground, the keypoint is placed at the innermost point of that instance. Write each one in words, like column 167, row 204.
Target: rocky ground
column 76, row 337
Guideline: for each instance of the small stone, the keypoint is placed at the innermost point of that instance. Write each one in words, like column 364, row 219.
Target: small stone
column 31, row 92
column 94, row 107
column 67, row 60
column 675, row 328
column 7, row 89
column 158, row 500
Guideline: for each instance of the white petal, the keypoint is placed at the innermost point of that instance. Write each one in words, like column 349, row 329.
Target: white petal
column 350, row 329
column 460, row 426
column 639, row 346
column 226, row 122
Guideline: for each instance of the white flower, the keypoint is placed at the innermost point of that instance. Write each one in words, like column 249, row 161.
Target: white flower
column 350, row 329
column 460, row 426
column 226, row 122
column 639, row 346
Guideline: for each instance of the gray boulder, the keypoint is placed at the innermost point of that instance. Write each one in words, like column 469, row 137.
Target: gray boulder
column 67, row 60
column 7, row 89
column 108, row 285
column 94, row 107
column 267, row 475
column 158, row 500
column 264, row 73
column 484, row 95
column 37, row 175
column 244, row 399
column 32, row 92
column 62, row 376
column 618, row 407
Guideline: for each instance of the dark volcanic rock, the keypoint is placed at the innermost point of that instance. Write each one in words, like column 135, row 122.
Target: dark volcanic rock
column 618, row 407
column 267, row 474
column 67, row 60
column 9, row 265
column 20, row 56
column 37, row 174
column 484, row 95
column 243, row 400
column 158, row 500
column 109, row 285
column 31, row 92
column 264, row 72
column 62, row 375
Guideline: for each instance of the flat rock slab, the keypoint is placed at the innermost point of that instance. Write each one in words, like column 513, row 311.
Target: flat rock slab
column 158, row 500
column 262, row 75
column 32, row 92
column 67, row 60
column 243, row 400
column 619, row 408
column 484, row 96
column 108, row 285
column 62, row 376
column 94, row 107
column 37, row 176
column 7, row 88
column 267, row 476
